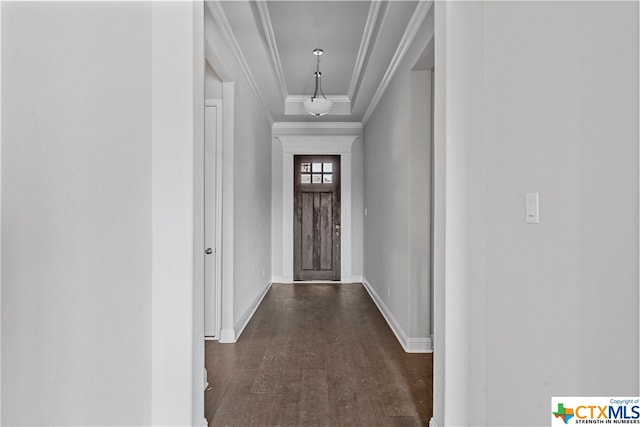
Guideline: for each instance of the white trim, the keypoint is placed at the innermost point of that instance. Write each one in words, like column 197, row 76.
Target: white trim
column 409, row 344
column 439, row 208
column 372, row 17
column 287, row 217
column 263, row 12
column 173, row 378
column 206, row 380
column 419, row 345
column 420, row 12
column 227, row 336
column 293, row 105
column 0, row 211
column 228, row 135
column 316, row 144
column 244, row 320
column 308, row 144
column 310, row 282
column 231, row 335
column 212, row 58
column 218, row 103
column 197, row 295
column 218, row 248
column 386, row 313
column 217, row 12
column 432, row 423
column 316, row 125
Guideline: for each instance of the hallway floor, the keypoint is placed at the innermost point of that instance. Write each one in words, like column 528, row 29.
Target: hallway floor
column 317, row 354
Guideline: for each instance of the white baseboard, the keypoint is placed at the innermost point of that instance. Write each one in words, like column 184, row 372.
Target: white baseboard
column 419, row 345
column 357, row 279
column 289, row 281
column 432, row 423
column 409, row 344
column 242, row 323
column 227, row 336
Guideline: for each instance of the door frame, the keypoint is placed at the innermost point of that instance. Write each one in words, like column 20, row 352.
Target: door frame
column 319, row 235
column 316, row 144
column 218, row 217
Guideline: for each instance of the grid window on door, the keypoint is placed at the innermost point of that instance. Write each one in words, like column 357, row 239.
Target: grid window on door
column 316, row 173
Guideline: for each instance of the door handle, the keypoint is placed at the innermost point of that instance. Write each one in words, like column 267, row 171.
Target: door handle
column 209, row 251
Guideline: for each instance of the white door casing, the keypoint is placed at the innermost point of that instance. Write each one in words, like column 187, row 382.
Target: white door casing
column 213, row 217
column 316, row 144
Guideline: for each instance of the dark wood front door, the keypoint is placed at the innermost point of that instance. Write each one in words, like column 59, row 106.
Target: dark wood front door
column 316, row 225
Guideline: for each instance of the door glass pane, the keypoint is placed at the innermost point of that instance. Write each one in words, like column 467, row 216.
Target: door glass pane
column 327, row 178
column 316, row 178
column 317, row 167
column 306, row 167
column 328, row 167
column 306, row 178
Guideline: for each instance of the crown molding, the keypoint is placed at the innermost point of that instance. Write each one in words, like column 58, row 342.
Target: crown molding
column 316, row 125
column 372, row 17
column 265, row 19
column 420, row 12
column 299, row 144
column 345, row 139
column 341, row 105
column 220, row 17
column 213, row 60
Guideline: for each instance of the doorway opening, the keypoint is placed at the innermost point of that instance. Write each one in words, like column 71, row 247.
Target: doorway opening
column 317, row 145
column 316, row 226
column 212, row 217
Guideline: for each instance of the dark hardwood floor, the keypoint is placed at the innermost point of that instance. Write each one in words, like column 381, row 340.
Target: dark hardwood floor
column 317, row 354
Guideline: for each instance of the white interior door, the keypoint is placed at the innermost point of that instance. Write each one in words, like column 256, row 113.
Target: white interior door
column 212, row 181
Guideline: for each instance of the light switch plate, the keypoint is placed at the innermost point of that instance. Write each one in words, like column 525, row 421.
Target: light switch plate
column 532, row 208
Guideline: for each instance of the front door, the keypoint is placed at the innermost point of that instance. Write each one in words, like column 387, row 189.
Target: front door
column 316, row 225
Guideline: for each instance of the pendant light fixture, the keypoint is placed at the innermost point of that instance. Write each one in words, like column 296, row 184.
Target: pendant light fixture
column 316, row 105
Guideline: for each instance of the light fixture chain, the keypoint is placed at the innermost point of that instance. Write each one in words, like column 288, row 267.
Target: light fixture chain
column 316, row 105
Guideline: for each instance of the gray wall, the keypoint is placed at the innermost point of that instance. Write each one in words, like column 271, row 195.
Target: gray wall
column 540, row 97
column 251, row 166
column 252, row 200
column 76, row 210
column 397, row 170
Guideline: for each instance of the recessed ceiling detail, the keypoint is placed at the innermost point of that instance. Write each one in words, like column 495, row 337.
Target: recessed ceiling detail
column 364, row 42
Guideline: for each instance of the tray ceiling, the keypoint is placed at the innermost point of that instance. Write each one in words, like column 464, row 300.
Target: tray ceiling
column 363, row 42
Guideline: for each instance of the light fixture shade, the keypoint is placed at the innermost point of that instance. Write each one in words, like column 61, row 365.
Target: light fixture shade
column 317, row 106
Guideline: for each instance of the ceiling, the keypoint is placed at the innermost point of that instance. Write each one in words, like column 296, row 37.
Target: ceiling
column 363, row 43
